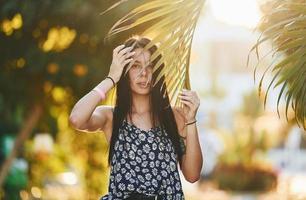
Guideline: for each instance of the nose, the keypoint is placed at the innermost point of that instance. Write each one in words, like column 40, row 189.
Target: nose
column 144, row 71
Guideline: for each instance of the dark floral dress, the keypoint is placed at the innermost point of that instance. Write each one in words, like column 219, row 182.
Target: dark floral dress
column 144, row 162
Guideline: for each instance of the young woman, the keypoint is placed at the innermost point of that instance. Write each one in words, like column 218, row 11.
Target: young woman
column 147, row 136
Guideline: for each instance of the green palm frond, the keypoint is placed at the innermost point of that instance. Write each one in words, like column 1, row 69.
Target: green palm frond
column 284, row 23
column 172, row 29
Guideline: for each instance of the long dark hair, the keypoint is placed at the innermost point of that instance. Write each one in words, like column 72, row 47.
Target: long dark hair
column 160, row 105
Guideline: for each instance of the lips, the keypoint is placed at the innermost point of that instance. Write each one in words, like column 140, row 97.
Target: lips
column 143, row 84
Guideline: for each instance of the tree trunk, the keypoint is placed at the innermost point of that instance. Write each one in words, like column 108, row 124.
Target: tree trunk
column 24, row 133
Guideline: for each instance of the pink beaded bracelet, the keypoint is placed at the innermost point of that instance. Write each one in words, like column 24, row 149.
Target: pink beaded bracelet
column 100, row 92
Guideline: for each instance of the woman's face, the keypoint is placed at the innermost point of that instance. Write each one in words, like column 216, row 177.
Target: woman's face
column 140, row 74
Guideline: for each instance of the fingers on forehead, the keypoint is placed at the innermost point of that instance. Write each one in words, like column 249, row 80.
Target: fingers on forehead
column 119, row 47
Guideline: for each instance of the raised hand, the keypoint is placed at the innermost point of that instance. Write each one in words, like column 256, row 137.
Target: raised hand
column 191, row 103
column 121, row 57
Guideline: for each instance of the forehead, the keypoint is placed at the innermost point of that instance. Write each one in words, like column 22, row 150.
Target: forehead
column 141, row 56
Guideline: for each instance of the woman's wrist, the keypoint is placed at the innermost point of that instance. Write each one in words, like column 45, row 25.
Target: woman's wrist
column 190, row 121
column 112, row 80
column 114, row 77
column 103, row 87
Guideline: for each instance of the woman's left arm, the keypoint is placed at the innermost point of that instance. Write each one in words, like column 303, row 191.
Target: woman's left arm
column 192, row 159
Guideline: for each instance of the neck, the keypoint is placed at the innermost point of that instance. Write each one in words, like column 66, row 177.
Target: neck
column 141, row 104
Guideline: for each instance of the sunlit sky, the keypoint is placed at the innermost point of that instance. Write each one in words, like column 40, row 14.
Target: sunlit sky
column 236, row 12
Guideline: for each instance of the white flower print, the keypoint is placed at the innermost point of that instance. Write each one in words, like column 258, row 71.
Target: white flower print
column 172, row 166
column 147, row 183
column 127, row 165
column 122, row 161
column 154, row 171
column 142, row 136
column 128, row 176
column 138, row 159
column 131, row 154
column 161, row 146
column 150, row 139
column 169, row 190
column 116, row 145
column 130, row 187
column 133, row 172
column 163, row 165
column 118, row 177
column 173, row 156
column 152, row 164
column 154, row 146
column 148, row 176
column 177, row 186
column 124, row 155
column 144, row 163
column 146, row 148
column 176, row 176
column 127, row 146
column 140, row 178
column 118, row 166
column 128, row 139
column 160, row 156
column 164, row 173
column 167, row 157
column 134, row 147
column 123, row 170
column 154, row 183
column 151, row 155
column 119, row 194
column 121, row 186
column 144, row 157
column 157, row 162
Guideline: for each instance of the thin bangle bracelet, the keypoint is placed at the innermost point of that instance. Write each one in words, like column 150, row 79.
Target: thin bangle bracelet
column 111, row 80
column 189, row 123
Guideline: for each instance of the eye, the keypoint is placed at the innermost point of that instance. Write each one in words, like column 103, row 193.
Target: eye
column 136, row 66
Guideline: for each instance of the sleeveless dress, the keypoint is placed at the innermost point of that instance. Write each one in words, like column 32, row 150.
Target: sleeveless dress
column 144, row 162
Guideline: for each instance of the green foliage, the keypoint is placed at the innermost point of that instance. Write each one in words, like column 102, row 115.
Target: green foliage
column 284, row 24
column 47, row 44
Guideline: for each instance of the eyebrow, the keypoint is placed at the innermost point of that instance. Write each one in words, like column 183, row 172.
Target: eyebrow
column 137, row 62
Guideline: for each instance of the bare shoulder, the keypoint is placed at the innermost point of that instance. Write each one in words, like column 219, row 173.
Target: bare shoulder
column 180, row 120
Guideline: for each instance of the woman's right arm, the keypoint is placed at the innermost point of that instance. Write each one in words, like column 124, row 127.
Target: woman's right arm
column 86, row 115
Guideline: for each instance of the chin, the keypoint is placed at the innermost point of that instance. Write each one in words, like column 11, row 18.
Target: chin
column 142, row 92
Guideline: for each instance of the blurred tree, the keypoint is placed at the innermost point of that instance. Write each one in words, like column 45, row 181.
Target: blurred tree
column 244, row 150
column 46, row 45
